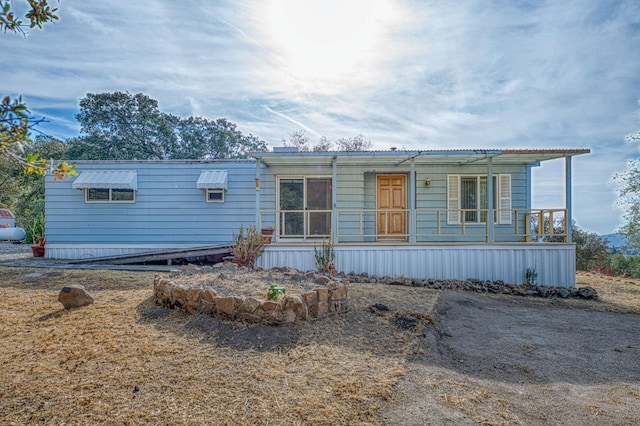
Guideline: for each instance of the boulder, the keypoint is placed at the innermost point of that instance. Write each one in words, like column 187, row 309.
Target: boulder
column 74, row 296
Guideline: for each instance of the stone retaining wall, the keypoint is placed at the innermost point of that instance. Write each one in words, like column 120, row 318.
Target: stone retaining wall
column 311, row 305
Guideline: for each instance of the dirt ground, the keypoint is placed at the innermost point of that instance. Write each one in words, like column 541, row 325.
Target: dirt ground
column 484, row 360
column 510, row 361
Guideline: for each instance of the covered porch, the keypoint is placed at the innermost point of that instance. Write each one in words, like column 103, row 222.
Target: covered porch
column 410, row 197
column 441, row 214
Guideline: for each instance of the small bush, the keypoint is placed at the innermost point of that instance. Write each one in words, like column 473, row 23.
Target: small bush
column 248, row 246
column 625, row 264
column 324, row 257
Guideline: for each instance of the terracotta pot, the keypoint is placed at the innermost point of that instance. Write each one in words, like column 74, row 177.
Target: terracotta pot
column 38, row 251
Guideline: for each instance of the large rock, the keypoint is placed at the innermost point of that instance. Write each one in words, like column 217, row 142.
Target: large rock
column 74, row 296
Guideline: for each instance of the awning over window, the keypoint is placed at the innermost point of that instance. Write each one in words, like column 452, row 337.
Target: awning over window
column 212, row 179
column 115, row 179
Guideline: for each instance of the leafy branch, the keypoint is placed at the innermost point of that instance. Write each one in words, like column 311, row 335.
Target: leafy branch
column 15, row 124
column 39, row 13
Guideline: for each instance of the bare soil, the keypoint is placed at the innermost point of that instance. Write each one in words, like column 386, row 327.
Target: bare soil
column 484, row 360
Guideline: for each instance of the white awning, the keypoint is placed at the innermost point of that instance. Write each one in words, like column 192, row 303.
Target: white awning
column 212, row 179
column 116, row 179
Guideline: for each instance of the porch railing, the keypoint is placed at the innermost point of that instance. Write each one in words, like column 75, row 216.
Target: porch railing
column 429, row 225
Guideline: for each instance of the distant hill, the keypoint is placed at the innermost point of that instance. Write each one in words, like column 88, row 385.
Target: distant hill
column 615, row 240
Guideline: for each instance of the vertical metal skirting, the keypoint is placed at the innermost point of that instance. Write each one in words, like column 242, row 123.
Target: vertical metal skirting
column 555, row 264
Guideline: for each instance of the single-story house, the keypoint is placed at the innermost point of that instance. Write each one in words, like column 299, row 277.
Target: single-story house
column 442, row 214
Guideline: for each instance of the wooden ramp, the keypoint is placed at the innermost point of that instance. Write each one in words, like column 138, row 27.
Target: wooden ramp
column 158, row 256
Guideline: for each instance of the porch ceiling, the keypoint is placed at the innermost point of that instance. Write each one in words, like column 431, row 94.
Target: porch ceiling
column 397, row 158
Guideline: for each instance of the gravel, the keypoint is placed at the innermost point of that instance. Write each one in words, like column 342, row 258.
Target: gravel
column 13, row 251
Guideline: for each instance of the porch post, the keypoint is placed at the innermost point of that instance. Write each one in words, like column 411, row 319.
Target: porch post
column 334, row 200
column 490, row 209
column 257, row 180
column 412, row 201
column 568, row 199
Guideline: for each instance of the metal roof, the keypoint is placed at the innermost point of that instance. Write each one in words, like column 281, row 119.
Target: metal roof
column 212, row 179
column 118, row 179
column 6, row 213
column 397, row 157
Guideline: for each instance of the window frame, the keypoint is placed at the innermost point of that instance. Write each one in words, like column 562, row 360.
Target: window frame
column 110, row 199
column 214, row 191
column 455, row 199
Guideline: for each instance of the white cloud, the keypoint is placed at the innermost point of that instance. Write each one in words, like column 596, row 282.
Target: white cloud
column 427, row 74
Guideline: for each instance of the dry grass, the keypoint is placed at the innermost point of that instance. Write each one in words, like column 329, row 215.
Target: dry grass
column 124, row 360
column 616, row 294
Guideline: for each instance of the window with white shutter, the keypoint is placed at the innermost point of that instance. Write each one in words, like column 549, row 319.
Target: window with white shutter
column 453, row 199
column 504, row 216
column 470, row 193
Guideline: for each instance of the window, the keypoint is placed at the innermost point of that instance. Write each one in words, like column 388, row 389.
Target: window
column 109, row 195
column 468, row 198
column 305, row 206
column 215, row 195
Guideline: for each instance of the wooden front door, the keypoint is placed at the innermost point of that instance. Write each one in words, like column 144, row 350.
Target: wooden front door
column 392, row 204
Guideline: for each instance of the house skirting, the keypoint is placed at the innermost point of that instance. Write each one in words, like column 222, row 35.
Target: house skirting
column 555, row 264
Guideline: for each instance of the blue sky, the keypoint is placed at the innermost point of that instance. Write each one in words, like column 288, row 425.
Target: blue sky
column 408, row 74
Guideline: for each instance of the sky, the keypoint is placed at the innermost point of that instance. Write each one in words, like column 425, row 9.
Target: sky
column 411, row 74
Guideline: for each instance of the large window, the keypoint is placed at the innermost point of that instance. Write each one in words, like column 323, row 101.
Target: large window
column 305, row 206
column 468, row 198
column 109, row 195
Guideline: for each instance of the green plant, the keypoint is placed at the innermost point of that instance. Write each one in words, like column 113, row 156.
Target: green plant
column 35, row 228
column 248, row 246
column 275, row 292
column 530, row 276
column 324, row 256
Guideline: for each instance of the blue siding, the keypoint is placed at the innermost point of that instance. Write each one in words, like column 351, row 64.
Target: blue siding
column 356, row 189
column 169, row 211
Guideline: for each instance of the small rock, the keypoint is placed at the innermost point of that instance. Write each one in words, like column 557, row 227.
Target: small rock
column 322, row 280
column 406, row 322
column 378, row 308
column 587, row 293
column 543, row 291
column 564, row 293
column 74, row 296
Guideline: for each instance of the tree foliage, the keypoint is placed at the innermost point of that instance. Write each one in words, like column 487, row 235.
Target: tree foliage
column 122, row 126
column 16, row 121
column 38, row 13
column 629, row 197
column 300, row 140
column 202, row 138
column 592, row 251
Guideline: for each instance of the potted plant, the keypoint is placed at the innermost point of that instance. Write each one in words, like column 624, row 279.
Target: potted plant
column 36, row 235
column 267, row 234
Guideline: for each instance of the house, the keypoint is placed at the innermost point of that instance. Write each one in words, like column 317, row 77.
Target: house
column 422, row 213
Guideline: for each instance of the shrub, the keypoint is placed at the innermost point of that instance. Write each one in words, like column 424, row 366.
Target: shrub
column 248, row 246
column 624, row 264
column 324, row 257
